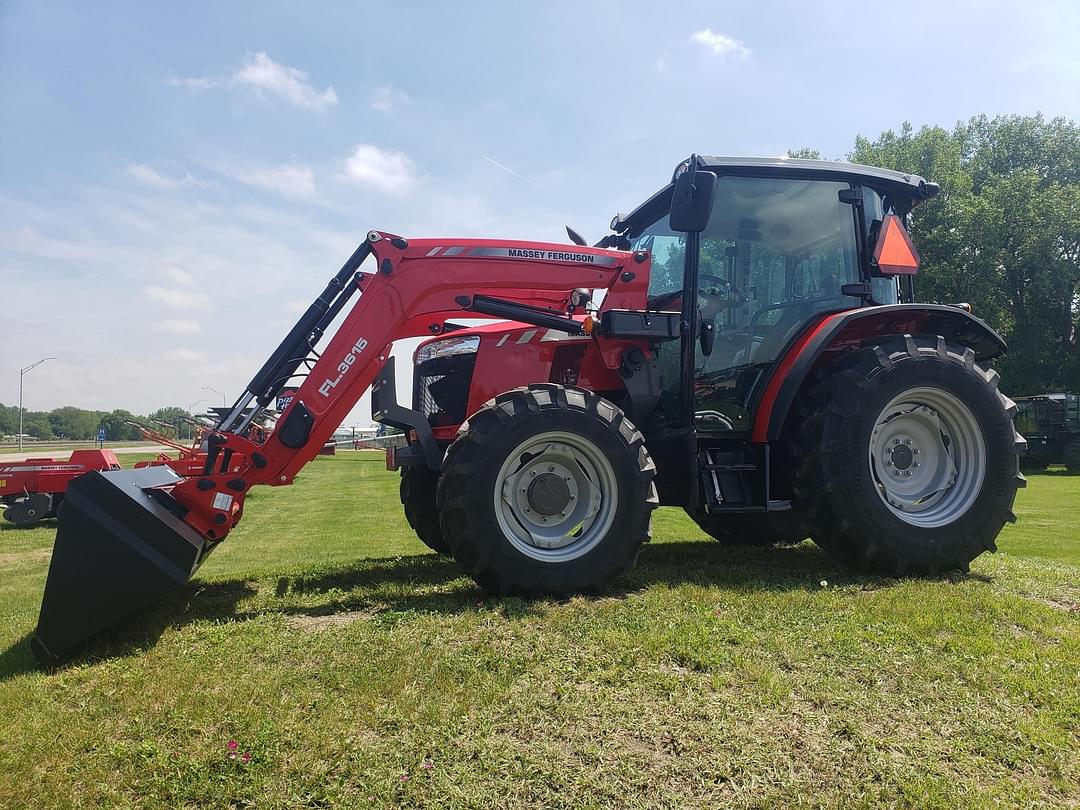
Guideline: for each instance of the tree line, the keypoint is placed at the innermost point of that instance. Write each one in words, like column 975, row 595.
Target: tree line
column 1004, row 234
column 77, row 424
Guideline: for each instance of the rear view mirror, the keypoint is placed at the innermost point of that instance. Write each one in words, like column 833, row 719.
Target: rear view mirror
column 692, row 201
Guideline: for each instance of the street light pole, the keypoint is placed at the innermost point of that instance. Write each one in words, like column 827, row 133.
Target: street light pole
column 221, row 393
column 22, row 371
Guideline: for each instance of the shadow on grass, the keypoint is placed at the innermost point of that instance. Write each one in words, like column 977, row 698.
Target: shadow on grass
column 432, row 584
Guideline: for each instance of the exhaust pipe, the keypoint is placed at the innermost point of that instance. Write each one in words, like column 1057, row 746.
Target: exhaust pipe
column 120, row 547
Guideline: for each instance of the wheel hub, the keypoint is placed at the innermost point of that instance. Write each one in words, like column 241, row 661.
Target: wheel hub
column 548, row 494
column 556, row 496
column 901, row 456
column 927, row 456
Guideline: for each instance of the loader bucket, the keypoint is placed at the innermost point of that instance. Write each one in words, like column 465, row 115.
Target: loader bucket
column 118, row 549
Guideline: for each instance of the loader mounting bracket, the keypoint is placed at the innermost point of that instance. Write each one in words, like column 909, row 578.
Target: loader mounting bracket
column 386, row 411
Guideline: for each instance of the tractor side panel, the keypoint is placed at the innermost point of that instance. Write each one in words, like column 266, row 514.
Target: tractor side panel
column 534, row 355
column 826, row 336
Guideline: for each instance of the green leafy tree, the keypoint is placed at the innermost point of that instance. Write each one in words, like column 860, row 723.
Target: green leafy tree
column 172, row 419
column 118, row 428
column 73, row 423
column 1004, row 235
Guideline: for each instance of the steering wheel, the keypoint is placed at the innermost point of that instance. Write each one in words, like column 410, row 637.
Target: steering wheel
column 722, row 290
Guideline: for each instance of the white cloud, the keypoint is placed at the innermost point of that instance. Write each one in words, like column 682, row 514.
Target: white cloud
column 721, row 44
column 196, row 84
column 387, row 171
column 179, row 299
column 386, row 98
column 150, row 177
column 177, row 275
column 291, row 180
column 180, row 326
column 267, row 77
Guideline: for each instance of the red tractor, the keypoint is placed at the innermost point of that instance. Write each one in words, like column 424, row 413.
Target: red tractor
column 744, row 345
column 33, row 489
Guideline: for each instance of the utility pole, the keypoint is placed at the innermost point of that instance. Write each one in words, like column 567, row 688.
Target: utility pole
column 23, row 371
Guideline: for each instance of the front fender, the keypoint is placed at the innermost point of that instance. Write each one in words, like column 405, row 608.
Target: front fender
column 823, row 338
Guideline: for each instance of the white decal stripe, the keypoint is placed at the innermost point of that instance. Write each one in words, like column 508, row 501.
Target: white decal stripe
column 433, row 251
column 502, row 340
column 525, row 338
column 453, row 251
column 558, row 334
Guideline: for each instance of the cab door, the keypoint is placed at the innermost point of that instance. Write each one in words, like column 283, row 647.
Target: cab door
column 776, row 252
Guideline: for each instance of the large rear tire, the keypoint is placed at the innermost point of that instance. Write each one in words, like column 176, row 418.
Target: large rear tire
column 769, row 529
column 417, row 492
column 547, row 490
column 910, row 458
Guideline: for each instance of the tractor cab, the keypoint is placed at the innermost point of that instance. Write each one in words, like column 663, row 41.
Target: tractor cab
column 784, row 241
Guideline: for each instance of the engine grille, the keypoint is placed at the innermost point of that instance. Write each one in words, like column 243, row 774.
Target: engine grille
column 441, row 388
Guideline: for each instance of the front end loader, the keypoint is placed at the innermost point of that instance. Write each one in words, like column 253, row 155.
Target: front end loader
column 756, row 357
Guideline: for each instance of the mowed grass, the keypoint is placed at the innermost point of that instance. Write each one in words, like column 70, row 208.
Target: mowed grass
column 356, row 669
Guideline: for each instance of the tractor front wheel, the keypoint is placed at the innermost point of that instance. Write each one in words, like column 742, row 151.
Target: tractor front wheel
column 910, row 457
column 547, row 490
column 417, row 492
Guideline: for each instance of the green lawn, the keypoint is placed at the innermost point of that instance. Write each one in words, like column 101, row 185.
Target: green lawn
column 356, row 669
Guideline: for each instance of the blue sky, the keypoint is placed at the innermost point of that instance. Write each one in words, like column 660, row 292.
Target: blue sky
column 178, row 180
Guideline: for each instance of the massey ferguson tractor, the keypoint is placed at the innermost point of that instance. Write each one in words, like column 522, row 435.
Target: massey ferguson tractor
column 744, row 345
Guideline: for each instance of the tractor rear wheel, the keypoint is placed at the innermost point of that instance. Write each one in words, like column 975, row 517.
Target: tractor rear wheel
column 417, row 492
column 910, row 458
column 770, row 529
column 1072, row 456
column 547, row 490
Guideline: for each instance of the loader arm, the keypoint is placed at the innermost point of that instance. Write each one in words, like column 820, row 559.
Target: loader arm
column 126, row 538
column 417, row 285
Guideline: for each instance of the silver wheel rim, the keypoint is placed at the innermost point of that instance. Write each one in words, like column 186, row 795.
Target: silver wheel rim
column 555, row 497
column 927, row 457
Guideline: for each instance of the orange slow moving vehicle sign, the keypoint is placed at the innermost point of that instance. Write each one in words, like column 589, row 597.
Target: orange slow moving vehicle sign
column 894, row 254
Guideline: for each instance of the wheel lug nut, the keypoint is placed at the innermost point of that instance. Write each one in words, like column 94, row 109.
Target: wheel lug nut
column 533, row 473
column 887, row 464
column 551, row 469
column 571, row 497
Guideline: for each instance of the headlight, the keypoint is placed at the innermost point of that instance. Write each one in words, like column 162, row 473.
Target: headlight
column 447, row 348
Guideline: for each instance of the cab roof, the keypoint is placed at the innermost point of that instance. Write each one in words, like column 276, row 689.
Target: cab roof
column 907, row 190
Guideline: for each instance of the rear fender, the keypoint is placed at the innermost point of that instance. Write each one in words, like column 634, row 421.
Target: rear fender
column 822, row 339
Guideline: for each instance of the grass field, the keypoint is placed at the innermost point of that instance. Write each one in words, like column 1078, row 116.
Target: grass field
column 349, row 667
